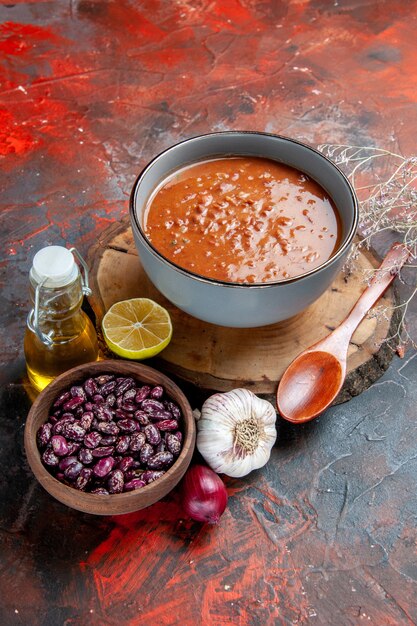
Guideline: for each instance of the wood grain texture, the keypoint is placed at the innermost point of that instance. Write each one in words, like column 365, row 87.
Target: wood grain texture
column 115, row 504
column 216, row 358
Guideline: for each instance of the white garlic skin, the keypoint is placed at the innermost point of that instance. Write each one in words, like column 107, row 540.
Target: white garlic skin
column 216, row 431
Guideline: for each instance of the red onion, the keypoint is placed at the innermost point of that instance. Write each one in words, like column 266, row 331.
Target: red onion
column 204, row 494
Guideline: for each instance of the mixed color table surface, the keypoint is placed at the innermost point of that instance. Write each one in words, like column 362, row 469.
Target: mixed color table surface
column 90, row 91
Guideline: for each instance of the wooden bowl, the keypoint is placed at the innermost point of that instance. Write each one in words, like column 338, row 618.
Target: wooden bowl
column 114, row 504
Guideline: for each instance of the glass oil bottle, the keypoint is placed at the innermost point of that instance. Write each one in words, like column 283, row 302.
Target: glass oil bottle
column 59, row 335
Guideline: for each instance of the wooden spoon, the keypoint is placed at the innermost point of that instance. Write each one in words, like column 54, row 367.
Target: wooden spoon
column 313, row 380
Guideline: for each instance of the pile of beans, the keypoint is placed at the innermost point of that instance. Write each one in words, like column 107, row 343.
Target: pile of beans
column 110, row 435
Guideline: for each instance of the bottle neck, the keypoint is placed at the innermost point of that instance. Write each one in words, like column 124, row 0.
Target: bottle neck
column 56, row 314
column 57, row 303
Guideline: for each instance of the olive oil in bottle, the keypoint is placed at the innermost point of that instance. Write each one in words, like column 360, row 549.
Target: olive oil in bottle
column 59, row 335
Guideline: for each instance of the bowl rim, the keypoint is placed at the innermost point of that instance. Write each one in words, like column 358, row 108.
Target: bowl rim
column 88, row 500
column 234, row 285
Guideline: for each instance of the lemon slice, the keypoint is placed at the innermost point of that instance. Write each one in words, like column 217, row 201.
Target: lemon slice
column 137, row 329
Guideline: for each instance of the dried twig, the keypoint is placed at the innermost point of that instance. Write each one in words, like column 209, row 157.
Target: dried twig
column 386, row 184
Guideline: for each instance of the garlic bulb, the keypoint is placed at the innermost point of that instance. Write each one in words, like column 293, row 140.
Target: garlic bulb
column 236, row 432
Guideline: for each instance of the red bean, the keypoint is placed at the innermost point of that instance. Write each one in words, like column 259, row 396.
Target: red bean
column 68, row 415
column 58, row 427
column 160, row 460
column 90, row 387
column 127, row 426
column 83, row 478
column 103, row 412
column 78, row 392
column 73, row 447
column 103, row 467
column 108, row 440
column 152, row 434
column 145, row 453
column 108, row 428
column 59, row 445
column 73, row 470
column 124, row 385
column 130, row 407
column 157, row 392
column 92, row 440
column 142, row 417
column 111, row 399
column 50, row 458
column 173, row 443
column 137, row 440
column 142, row 394
column 150, row 475
column 66, row 462
column 129, row 395
column 73, row 403
column 174, row 409
column 104, row 378
column 100, row 491
column 123, row 443
column 102, row 451
column 116, row 481
column 78, row 411
column 108, row 387
column 161, row 447
column 136, row 483
column 64, row 397
column 126, row 463
column 152, row 406
column 168, row 425
column 85, row 456
column 86, row 420
column 43, row 435
column 130, row 474
column 74, row 430
column 121, row 415
column 161, row 415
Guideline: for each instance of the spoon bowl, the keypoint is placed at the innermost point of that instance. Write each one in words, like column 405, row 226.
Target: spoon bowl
column 309, row 385
column 313, row 380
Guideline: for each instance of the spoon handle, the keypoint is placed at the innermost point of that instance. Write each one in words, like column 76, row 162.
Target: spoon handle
column 384, row 275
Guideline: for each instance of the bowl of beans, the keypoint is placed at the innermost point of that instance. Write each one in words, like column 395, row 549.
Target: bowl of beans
column 240, row 228
column 110, row 437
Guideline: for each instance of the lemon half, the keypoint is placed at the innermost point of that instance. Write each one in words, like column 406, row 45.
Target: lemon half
column 137, row 329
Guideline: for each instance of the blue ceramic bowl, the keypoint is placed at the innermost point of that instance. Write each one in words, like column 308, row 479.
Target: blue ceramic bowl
column 235, row 304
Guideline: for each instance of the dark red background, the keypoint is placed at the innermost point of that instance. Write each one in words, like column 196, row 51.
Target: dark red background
column 92, row 90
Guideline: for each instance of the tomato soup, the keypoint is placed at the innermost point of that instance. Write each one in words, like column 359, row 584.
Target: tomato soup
column 242, row 220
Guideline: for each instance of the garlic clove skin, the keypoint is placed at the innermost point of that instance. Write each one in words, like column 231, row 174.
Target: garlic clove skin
column 236, row 432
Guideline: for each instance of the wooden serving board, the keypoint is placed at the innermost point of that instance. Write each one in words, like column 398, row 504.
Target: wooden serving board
column 215, row 358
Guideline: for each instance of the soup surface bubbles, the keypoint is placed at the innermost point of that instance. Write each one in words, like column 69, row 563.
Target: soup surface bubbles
column 242, row 220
